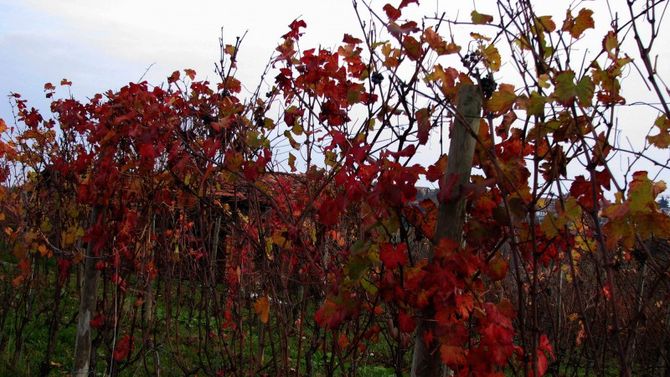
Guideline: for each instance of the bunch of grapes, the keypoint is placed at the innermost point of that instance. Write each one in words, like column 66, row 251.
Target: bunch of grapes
column 471, row 59
column 488, row 85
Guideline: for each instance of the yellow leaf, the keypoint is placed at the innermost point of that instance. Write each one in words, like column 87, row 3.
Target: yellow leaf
column 262, row 308
column 491, row 57
column 611, row 44
column 662, row 139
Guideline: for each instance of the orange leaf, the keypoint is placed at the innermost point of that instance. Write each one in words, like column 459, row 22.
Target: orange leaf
column 190, row 73
column 502, row 99
column 547, row 24
column 576, row 26
column 262, row 308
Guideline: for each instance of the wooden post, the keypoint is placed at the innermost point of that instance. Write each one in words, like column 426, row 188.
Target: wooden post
column 426, row 361
column 87, row 304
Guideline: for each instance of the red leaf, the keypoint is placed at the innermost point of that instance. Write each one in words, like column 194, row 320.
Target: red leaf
column 405, row 322
column 349, row 39
column 295, row 29
column 452, row 355
column 63, row 269
column 405, row 3
column 428, row 338
column 436, row 170
column 98, row 321
column 329, row 315
column 147, row 151
column 330, row 209
column 392, row 13
column 393, row 256
column 123, row 347
column 423, row 122
column 447, row 188
column 174, row 77
column 408, row 151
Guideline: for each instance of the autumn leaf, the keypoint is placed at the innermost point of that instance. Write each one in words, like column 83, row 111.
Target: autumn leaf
column 412, row 47
column 535, row 104
column 497, row 268
column 502, row 99
column 491, row 57
column 349, row 39
column 262, row 308
column 406, row 323
column 566, row 90
column 423, row 124
column 452, row 355
column 98, row 321
column 391, row 12
column 342, row 341
column 611, row 44
column 232, row 84
column 190, row 73
column 393, row 255
column 547, row 24
column 123, row 348
column 291, row 162
column 662, row 139
column 437, row 44
column 405, row 3
column 480, row 19
column 643, row 192
column 436, row 171
column 295, row 29
column 577, row 26
column 585, row 90
column 174, row 77
column 329, row 315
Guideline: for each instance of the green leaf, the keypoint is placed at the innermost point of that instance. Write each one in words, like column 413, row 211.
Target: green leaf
column 584, row 90
column 566, row 90
column 536, row 104
column 480, row 19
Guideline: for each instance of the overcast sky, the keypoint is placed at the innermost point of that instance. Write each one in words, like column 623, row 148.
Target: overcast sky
column 103, row 45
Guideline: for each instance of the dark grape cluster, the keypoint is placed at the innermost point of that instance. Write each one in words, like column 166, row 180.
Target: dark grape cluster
column 471, row 59
column 488, row 85
column 377, row 78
